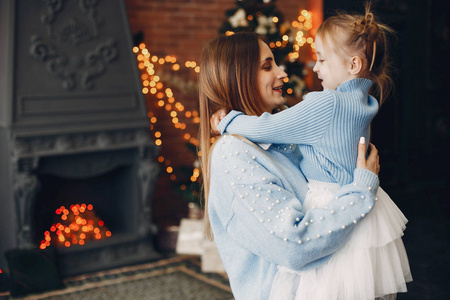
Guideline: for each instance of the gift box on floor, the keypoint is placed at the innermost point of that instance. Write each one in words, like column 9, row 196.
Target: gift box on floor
column 190, row 237
column 191, row 241
column 211, row 261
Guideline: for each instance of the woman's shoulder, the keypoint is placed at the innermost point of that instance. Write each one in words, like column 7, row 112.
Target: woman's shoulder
column 233, row 144
column 232, row 147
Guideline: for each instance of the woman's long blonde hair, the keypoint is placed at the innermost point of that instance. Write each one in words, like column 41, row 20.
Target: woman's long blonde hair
column 363, row 35
column 228, row 79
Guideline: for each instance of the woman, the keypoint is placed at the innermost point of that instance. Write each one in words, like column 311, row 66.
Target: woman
column 254, row 193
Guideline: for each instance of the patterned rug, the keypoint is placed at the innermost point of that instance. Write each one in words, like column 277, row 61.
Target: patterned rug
column 176, row 278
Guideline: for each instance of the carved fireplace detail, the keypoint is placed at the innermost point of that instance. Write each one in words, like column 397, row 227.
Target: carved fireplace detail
column 71, row 106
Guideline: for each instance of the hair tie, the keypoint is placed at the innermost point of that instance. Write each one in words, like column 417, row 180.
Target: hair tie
column 365, row 27
column 368, row 19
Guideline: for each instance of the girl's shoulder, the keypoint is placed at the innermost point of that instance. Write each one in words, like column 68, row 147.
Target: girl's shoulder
column 319, row 99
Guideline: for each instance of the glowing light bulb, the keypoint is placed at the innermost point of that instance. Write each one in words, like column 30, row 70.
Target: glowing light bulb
column 196, row 172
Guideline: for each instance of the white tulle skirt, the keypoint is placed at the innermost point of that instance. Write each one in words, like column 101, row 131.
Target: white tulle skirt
column 372, row 264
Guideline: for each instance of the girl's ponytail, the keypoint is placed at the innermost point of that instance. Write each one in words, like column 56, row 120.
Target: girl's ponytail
column 375, row 36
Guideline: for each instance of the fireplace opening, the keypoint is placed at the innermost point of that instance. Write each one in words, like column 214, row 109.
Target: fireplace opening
column 111, row 196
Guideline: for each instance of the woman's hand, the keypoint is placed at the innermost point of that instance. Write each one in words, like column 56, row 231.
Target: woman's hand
column 215, row 120
column 372, row 163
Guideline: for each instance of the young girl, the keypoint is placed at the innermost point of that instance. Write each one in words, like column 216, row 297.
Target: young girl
column 351, row 57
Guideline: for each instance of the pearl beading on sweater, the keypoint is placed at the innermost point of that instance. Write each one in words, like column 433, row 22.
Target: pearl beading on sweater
column 281, row 215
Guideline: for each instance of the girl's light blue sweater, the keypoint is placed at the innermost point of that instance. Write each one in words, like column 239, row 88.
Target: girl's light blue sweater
column 255, row 210
column 326, row 125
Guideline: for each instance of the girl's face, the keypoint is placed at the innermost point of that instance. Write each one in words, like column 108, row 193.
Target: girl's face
column 270, row 79
column 330, row 67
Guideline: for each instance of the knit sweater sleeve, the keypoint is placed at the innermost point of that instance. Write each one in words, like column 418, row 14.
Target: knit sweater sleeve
column 266, row 217
column 303, row 123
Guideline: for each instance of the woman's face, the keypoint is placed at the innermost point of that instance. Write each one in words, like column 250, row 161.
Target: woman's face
column 270, row 79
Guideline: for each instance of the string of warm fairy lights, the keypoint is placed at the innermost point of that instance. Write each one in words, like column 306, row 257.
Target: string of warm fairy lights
column 303, row 25
column 165, row 99
column 303, row 35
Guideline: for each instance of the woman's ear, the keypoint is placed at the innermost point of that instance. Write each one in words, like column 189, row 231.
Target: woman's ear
column 356, row 65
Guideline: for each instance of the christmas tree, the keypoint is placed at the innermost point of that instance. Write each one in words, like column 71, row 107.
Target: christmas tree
column 284, row 38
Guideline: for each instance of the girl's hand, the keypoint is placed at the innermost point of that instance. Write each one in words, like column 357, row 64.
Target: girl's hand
column 215, row 120
column 372, row 163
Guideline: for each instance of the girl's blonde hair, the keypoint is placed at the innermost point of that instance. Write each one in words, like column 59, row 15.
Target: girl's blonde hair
column 228, row 79
column 363, row 35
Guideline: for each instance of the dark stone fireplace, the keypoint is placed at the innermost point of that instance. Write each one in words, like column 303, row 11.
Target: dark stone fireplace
column 73, row 129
